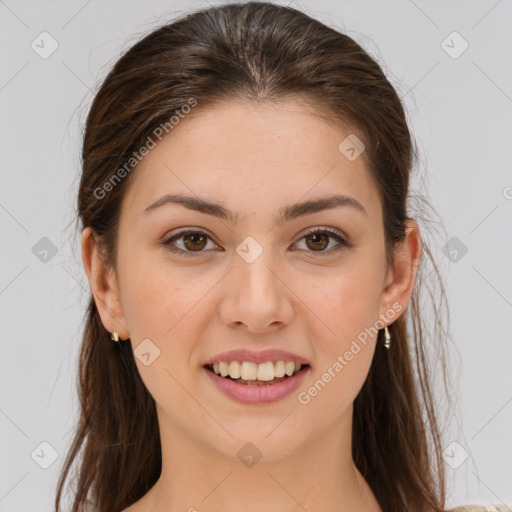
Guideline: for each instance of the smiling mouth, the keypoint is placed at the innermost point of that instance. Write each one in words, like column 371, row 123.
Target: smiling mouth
column 252, row 374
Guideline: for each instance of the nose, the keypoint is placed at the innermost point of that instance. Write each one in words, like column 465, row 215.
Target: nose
column 257, row 298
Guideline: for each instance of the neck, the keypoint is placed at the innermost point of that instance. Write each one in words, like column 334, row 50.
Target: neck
column 321, row 476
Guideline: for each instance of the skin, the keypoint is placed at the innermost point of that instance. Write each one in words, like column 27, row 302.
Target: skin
column 252, row 160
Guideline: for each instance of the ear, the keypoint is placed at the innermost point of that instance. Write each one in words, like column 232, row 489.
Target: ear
column 104, row 285
column 401, row 279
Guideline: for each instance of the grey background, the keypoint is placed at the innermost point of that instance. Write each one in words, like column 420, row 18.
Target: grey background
column 460, row 113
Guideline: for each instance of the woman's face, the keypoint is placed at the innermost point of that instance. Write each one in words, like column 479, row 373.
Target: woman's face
column 253, row 277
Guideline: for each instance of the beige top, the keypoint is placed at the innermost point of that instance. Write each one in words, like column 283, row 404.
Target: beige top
column 481, row 508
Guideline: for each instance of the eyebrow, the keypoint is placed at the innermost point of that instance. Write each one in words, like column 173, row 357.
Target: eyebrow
column 286, row 213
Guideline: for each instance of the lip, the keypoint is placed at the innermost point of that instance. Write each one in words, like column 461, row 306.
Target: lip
column 256, row 357
column 256, row 394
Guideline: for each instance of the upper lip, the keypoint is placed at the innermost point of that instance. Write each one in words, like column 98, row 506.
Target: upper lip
column 256, row 357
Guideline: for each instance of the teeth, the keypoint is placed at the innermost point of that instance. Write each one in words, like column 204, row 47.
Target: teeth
column 289, row 368
column 234, row 369
column 223, row 369
column 279, row 369
column 266, row 371
column 251, row 371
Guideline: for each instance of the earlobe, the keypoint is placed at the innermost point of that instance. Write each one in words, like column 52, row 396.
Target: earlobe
column 104, row 285
column 402, row 278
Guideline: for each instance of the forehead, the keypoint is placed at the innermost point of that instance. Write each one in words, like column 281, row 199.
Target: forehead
column 252, row 158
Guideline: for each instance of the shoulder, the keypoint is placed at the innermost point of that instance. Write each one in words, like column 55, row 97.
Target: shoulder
column 481, row 508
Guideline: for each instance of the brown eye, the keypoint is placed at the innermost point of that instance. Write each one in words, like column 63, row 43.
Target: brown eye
column 319, row 241
column 191, row 242
column 194, row 241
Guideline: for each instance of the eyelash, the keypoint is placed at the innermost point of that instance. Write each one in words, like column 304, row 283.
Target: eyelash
column 342, row 243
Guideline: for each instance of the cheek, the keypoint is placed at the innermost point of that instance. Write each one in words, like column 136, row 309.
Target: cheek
column 343, row 349
column 159, row 299
column 164, row 306
column 347, row 303
column 345, row 300
column 333, row 389
column 170, row 308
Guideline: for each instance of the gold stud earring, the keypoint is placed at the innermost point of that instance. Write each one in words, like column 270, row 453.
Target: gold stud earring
column 114, row 336
column 387, row 338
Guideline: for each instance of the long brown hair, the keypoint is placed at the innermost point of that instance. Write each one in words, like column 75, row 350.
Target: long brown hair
column 257, row 52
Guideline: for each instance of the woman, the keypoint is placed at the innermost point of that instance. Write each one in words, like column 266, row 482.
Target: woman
column 243, row 207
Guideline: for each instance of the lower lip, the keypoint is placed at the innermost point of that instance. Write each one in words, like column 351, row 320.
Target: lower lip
column 257, row 394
